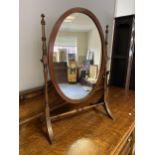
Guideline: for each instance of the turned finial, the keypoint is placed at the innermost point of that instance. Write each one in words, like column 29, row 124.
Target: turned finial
column 42, row 21
column 42, row 15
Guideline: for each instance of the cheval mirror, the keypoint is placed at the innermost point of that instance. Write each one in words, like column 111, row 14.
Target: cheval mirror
column 76, row 61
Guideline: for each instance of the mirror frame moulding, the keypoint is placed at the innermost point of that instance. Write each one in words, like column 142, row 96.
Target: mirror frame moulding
column 51, row 43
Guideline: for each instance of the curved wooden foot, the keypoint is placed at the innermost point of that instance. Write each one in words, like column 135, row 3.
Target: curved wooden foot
column 49, row 130
column 49, row 125
column 106, row 107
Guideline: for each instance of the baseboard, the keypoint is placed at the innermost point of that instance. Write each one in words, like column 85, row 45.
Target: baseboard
column 34, row 92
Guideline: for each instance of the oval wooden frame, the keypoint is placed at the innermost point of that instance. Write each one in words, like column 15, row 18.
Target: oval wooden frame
column 51, row 49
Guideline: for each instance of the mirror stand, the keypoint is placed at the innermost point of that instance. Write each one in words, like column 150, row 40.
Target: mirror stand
column 47, row 117
column 44, row 61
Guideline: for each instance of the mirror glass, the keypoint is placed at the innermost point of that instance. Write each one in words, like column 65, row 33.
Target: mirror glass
column 77, row 56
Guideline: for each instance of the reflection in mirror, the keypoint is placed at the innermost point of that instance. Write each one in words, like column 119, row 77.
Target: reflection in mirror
column 77, row 56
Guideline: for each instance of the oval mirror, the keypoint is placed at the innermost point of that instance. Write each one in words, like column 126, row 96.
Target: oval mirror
column 76, row 54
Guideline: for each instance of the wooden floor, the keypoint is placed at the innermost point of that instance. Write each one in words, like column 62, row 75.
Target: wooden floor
column 91, row 124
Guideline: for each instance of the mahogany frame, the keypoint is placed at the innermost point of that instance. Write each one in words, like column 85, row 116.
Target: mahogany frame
column 48, row 62
column 51, row 49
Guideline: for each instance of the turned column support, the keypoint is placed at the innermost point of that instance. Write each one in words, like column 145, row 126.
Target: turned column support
column 44, row 61
column 106, row 107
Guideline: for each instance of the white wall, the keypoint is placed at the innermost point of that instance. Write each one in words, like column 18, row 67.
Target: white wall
column 82, row 43
column 30, row 68
column 94, row 44
column 124, row 7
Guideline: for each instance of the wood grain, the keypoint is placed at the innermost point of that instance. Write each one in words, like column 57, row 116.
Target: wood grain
column 92, row 124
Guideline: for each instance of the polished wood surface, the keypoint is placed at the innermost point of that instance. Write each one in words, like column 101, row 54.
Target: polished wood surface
column 109, row 134
column 44, row 61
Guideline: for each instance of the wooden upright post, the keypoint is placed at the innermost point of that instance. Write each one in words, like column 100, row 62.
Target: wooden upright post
column 44, row 60
column 105, row 73
column 106, row 55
